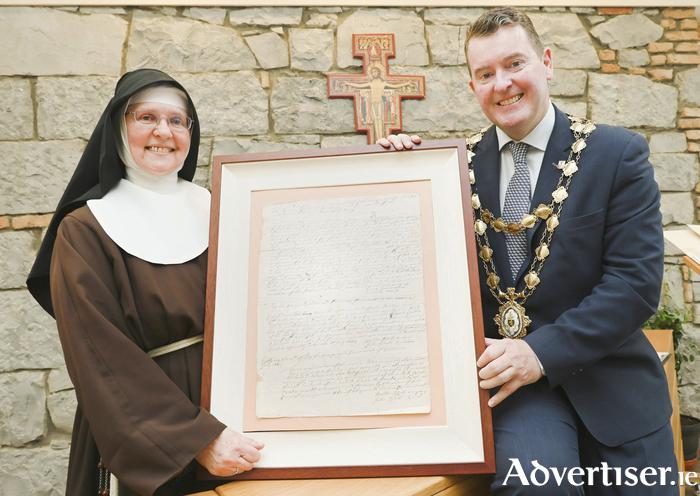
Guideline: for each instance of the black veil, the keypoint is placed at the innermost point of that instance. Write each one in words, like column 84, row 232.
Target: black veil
column 100, row 169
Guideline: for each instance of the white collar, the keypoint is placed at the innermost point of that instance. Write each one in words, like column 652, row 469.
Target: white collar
column 160, row 221
column 538, row 137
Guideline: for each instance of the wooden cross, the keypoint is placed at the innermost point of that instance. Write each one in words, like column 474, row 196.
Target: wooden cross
column 377, row 93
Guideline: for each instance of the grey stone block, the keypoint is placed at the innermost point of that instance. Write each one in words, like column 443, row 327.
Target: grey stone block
column 17, row 253
column 568, row 83
column 633, row 58
column 667, row 143
column 301, row 105
column 447, row 44
column 270, row 49
column 59, row 380
column 677, row 208
column 174, row 44
column 62, row 407
column 40, row 42
column 337, row 141
column 35, row 174
column 688, row 83
column 632, row 101
column 28, row 334
column 675, row 171
column 228, row 104
column 578, row 109
column 569, row 41
column 22, row 407
column 449, row 105
column 626, row 31
column 454, row 16
column 33, row 472
column 69, row 108
column 322, row 21
column 231, row 146
column 311, row 49
column 16, row 114
column 407, row 27
column 212, row 16
column 266, row 16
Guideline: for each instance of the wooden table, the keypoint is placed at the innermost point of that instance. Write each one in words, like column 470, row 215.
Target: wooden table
column 451, row 485
column 662, row 341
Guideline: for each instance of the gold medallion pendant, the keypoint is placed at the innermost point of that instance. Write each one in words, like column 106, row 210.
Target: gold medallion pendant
column 511, row 319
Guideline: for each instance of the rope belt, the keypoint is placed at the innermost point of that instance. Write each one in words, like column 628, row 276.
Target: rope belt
column 178, row 345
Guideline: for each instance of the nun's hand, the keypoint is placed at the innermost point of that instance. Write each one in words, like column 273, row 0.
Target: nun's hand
column 399, row 141
column 230, row 454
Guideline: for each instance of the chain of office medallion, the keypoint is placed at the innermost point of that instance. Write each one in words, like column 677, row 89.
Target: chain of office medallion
column 582, row 129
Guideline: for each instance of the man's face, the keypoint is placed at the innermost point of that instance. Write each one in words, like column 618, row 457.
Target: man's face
column 510, row 79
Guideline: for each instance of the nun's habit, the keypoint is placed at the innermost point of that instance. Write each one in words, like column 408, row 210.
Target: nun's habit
column 115, row 299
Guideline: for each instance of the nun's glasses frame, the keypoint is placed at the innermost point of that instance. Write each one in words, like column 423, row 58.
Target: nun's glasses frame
column 151, row 119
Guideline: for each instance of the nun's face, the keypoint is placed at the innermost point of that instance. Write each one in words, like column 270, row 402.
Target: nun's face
column 158, row 150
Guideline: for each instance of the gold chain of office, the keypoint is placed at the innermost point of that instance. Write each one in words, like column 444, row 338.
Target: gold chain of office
column 511, row 319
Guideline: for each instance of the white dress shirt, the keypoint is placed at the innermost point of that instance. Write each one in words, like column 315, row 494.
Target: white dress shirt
column 537, row 139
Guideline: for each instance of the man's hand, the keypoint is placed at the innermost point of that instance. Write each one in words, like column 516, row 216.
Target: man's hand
column 509, row 363
column 399, row 141
column 229, row 454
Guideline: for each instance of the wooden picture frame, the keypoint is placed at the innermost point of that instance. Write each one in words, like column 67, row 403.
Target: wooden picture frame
column 458, row 442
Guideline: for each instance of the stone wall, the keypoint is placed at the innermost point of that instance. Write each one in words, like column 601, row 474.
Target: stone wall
column 258, row 78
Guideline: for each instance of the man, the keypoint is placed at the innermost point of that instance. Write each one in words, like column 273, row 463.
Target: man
column 583, row 387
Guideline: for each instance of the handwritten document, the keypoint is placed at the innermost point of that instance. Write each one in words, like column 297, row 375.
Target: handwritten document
column 341, row 308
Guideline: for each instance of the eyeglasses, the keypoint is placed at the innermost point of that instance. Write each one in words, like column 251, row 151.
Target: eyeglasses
column 151, row 119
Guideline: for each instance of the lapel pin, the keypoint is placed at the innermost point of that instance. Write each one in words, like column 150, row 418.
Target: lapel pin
column 560, row 165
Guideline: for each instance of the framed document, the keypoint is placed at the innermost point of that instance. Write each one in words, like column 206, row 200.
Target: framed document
column 343, row 318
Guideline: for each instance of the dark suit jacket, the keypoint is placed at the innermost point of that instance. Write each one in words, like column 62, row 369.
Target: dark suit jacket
column 600, row 283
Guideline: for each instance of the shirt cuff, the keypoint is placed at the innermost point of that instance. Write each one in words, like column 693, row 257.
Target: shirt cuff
column 541, row 367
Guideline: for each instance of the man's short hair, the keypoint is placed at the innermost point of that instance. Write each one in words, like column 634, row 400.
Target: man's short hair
column 494, row 19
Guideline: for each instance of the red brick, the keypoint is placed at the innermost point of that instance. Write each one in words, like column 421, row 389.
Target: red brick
column 694, row 147
column 683, row 59
column 689, row 24
column 686, row 273
column 668, row 24
column 693, row 135
column 4, row 222
column 658, row 60
column 682, row 124
column 697, row 188
column 29, row 221
column 687, row 47
column 614, row 10
column 679, row 13
column 610, row 68
column 681, row 36
column 637, row 71
column 690, row 112
column 606, row 54
column 660, row 47
column 661, row 74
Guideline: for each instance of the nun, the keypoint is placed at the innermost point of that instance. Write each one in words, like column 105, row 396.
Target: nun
column 122, row 268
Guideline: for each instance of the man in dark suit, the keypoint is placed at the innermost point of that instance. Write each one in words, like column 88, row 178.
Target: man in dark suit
column 579, row 385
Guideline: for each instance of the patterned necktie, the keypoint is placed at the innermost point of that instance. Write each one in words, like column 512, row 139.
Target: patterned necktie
column 516, row 205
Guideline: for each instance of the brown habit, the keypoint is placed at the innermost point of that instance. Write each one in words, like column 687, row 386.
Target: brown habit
column 141, row 412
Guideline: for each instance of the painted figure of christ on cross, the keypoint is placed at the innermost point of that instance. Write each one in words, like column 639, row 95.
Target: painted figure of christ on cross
column 376, row 93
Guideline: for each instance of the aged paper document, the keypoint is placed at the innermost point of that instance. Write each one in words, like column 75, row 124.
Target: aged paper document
column 341, row 308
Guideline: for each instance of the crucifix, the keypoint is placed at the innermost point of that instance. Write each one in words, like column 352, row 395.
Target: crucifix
column 377, row 94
